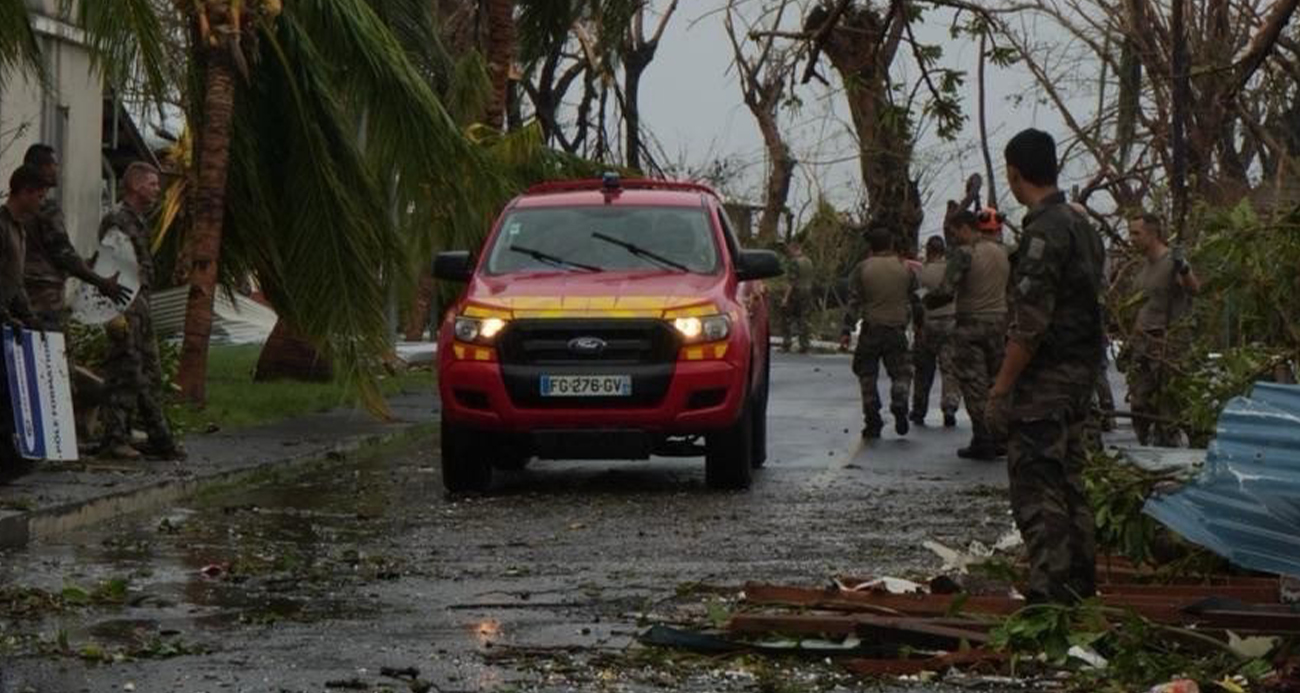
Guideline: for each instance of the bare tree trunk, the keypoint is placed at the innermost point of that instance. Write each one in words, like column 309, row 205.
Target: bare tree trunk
column 638, row 52
column 209, row 215
column 501, row 57
column 418, row 319
column 862, row 48
column 779, row 179
column 633, row 67
column 1178, row 120
column 984, row 130
column 287, row 355
column 763, row 78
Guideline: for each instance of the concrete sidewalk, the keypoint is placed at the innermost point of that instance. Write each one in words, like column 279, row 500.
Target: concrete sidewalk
column 58, row 497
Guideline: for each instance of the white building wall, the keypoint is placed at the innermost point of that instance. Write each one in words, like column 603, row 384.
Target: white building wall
column 66, row 114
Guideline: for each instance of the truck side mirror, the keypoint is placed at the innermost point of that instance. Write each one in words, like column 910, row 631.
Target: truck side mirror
column 453, row 265
column 757, row 264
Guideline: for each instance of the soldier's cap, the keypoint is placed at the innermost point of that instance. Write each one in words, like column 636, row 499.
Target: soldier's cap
column 990, row 219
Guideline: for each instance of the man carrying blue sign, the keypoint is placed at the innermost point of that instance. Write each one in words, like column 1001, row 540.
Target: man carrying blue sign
column 27, row 190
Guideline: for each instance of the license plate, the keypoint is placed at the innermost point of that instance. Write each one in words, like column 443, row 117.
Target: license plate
column 586, row 385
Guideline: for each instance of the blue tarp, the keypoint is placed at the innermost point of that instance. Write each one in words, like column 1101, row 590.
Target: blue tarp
column 1245, row 506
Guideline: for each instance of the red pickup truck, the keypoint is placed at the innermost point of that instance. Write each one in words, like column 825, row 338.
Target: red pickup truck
column 606, row 319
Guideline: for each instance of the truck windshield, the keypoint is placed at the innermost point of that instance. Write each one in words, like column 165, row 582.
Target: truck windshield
column 608, row 238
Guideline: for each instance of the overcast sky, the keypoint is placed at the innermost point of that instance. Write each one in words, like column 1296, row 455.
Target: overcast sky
column 692, row 104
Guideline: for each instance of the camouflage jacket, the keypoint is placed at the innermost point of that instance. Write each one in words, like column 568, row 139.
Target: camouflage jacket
column 51, row 259
column 975, row 278
column 800, row 274
column 136, row 228
column 1056, row 287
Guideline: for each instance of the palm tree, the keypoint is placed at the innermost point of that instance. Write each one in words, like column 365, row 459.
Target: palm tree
column 324, row 158
column 321, row 152
column 500, row 57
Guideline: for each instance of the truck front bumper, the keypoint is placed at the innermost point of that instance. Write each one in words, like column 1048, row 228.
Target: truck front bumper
column 701, row 396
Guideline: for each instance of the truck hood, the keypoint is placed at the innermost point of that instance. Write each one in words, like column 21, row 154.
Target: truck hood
column 563, row 294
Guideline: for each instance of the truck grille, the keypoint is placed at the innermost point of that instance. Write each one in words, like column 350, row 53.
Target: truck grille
column 644, row 349
column 548, row 342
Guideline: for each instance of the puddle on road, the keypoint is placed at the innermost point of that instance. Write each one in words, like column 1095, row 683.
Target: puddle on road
column 299, row 551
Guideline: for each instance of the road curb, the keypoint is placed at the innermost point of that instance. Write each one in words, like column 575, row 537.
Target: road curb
column 20, row 528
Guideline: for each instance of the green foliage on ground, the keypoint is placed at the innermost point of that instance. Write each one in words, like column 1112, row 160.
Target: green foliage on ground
column 235, row 401
column 1117, row 492
column 1138, row 653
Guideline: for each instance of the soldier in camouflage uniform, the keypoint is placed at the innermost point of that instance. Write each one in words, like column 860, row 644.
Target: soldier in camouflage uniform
column 883, row 294
column 1043, row 390
column 935, row 345
column 797, row 302
column 976, row 278
column 1167, row 283
column 51, row 259
column 26, row 191
column 134, row 377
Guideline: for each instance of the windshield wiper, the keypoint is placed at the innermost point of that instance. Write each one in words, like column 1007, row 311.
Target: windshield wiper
column 641, row 252
column 553, row 260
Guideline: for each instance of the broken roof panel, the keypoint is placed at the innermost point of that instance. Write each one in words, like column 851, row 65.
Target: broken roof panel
column 1245, row 506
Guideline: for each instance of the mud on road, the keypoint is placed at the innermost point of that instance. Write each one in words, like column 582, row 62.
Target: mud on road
column 363, row 575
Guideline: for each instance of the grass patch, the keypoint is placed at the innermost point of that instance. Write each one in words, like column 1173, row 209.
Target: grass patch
column 235, row 401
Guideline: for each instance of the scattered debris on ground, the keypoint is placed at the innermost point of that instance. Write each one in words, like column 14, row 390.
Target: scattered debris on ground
column 1230, row 633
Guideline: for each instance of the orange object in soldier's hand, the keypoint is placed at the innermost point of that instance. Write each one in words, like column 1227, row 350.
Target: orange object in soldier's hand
column 990, row 219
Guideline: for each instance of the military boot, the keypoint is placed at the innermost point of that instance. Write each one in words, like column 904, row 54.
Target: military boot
column 165, row 451
column 120, row 451
column 900, row 422
column 981, row 446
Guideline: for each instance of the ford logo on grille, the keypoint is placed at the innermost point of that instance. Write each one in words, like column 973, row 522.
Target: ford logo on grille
column 587, row 346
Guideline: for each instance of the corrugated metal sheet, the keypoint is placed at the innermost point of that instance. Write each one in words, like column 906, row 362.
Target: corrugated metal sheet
column 1245, row 506
column 243, row 321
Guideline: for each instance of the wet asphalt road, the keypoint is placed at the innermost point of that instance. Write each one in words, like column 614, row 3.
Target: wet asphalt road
column 366, row 564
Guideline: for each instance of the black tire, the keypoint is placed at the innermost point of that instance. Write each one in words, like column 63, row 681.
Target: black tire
column 760, row 414
column 729, row 453
column 512, row 455
column 464, row 469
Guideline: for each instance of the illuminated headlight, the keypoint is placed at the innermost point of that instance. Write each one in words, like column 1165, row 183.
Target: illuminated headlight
column 478, row 330
column 712, row 328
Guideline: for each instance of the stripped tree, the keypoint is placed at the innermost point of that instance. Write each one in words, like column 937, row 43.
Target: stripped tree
column 765, row 78
column 1203, row 92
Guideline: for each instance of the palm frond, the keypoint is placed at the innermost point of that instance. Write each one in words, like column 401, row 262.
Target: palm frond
column 414, row 24
column 19, row 49
column 181, row 153
column 470, row 89
column 541, row 24
column 435, row 177
column 127, row 41
column 305, row 211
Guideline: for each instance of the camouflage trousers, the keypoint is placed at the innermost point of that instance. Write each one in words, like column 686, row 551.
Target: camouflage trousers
column 133, row 379
column 46, row 300
column 979, row 343
column 794, row 317
column 1046, row 452
column 1147, row 375
column 934, row 352
column 882, row 344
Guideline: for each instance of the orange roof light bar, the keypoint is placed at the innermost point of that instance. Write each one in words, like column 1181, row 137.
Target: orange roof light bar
column 602, row 184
